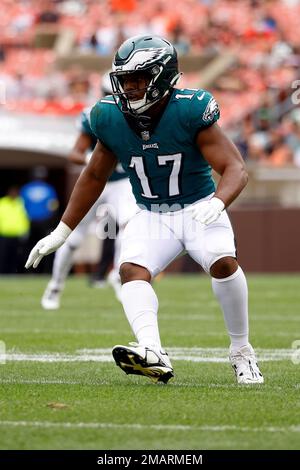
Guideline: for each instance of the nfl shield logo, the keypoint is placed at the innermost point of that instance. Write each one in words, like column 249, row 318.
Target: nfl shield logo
column 145, row 135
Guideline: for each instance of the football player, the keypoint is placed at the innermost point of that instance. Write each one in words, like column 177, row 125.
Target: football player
column 117, row 196
column 167, row 140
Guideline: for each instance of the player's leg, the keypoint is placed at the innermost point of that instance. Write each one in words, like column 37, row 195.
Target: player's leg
column 213, row 247
column 148, row 246
column 232, row 293
column 63, row 262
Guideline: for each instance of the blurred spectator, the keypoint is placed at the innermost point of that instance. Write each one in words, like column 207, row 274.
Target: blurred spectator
column 22, row 21
column 261, row 38
column 92, row 43
column 281, row 52
column 280, row 153
column 41, row 203
column 179, row 40
column 124, row 6
column 263, row 116
column 257, row 148
column 14, row 227
column 19, row 87
column 293, row 134
column 79, row 88
column 2, row 53
column 48, row 13
column 242, row 137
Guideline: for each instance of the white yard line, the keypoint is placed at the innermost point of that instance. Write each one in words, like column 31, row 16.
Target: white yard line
column 218, row 355
column 157, row 427
column 43, row 381
column 62, row 331
column 58, row 357
column 178, row 314
column 103, row 331
column 98, row 381
column 215, row 316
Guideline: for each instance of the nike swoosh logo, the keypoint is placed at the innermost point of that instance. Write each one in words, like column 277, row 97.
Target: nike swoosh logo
column 201, row 97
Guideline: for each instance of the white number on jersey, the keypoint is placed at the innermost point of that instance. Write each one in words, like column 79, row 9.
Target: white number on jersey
column 138, row 164
column 173, row 180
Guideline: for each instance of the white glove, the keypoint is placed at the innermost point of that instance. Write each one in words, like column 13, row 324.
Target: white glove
column 207, row 211
column 48, row 244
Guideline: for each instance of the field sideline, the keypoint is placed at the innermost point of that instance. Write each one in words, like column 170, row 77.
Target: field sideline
column 60, row 389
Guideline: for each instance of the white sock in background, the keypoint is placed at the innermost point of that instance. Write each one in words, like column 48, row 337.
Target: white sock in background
column 232, row 293
column 140, row 304
column 62, row 264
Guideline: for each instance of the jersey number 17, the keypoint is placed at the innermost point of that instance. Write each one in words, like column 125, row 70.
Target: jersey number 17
column 138, row 164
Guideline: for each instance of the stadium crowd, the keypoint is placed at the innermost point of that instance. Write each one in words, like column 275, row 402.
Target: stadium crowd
column 258, row 103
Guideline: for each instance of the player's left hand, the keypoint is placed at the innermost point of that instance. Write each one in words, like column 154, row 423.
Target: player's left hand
column 207, row 212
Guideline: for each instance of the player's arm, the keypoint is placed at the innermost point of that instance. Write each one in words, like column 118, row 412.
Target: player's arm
column 78, row 154
column 223, row 156
column 87, row 189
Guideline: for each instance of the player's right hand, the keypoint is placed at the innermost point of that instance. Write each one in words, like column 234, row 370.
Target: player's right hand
column 48, row 244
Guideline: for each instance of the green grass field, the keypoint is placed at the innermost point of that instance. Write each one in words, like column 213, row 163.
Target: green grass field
column 63, row 358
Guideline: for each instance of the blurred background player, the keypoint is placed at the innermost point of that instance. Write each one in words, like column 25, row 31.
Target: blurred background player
column 41, row 204
column 14, row 228
column 99, row 277
column 117, row 197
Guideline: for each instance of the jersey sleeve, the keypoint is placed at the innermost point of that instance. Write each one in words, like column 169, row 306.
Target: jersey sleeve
column 84, row 122
column 99, row 122
column 95, row 117
column 204, row 111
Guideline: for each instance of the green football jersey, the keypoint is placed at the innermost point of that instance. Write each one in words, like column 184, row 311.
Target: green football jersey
column 85, row 128
column 166, row 169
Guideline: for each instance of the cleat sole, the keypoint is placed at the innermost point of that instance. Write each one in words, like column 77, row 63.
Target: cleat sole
column 132, row 363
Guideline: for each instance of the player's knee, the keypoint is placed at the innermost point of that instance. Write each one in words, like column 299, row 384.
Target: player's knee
column 224, row 267
column 133, row 272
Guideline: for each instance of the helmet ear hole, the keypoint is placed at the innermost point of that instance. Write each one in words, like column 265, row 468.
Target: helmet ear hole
column 155, row 70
